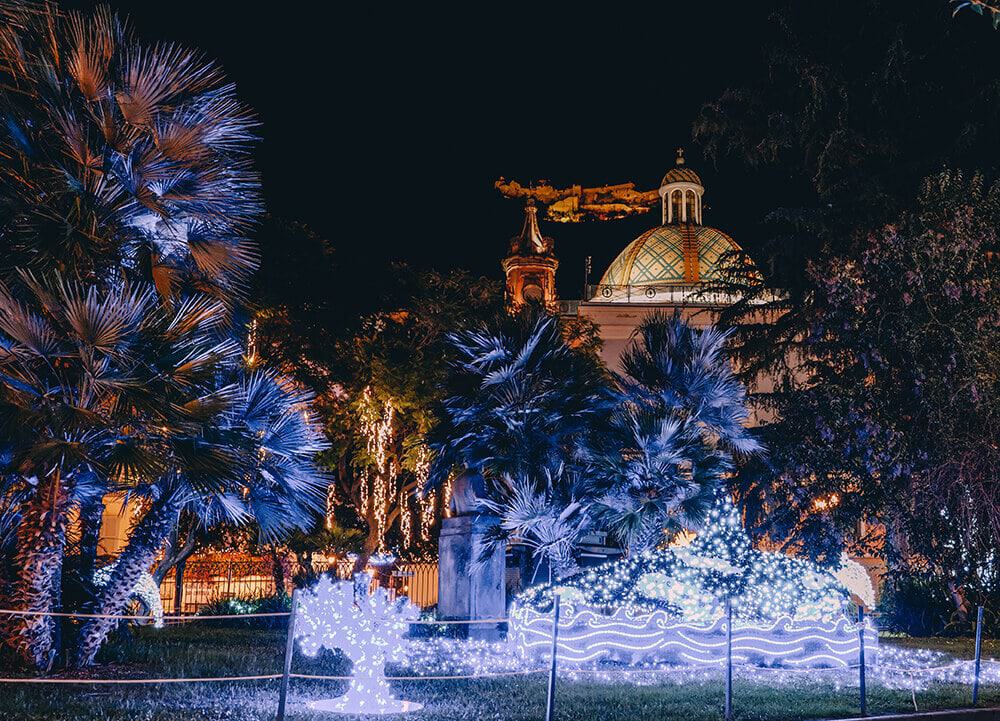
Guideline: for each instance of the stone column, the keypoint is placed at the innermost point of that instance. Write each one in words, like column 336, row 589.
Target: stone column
column 468, row 591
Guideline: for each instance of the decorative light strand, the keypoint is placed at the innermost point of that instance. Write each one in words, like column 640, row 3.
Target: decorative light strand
column 368, row 628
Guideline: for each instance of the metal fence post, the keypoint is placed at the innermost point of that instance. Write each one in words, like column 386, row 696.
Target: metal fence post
column 861, row 660
column 979, row 655
column 551, row 697
column 729, row 660
column 289, row 649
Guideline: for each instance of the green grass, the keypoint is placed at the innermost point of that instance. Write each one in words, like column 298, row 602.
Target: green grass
column 193, row 651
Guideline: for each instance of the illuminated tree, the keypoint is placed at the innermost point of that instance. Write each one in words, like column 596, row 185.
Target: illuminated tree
column 367, row 627
column 385, row 381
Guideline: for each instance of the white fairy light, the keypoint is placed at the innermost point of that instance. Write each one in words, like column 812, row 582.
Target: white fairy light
column 368, row 628
column 422, row 468
column 670, row 605
column 405, row 518
column 146, row 591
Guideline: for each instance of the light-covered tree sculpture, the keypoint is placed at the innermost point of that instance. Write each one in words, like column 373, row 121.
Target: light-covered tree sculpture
column 669, row 605
column 368, row 628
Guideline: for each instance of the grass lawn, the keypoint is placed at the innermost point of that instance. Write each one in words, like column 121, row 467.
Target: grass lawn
column 192, row 651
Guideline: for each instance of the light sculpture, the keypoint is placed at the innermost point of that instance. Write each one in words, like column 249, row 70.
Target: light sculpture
column 668, row 606
column 368, row 628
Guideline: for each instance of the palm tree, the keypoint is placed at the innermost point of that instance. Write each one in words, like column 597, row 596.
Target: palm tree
column 254, row 464
column 673, row 438
column 549, row 520
column 83, row 375
column 521, row 408
column 120, row 164
column 120, row 160
column 521, row 401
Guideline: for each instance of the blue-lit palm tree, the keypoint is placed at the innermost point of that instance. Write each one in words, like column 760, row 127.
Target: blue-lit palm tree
column 121, row 160
column 121, row 163
column 255, row 462
column 679, row 423
column 521, row 408
column 96, row 387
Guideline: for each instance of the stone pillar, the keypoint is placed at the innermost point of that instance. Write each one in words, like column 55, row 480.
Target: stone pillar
column 466, row 592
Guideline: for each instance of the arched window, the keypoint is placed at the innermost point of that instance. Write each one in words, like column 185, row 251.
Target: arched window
column 691, row 200
column 675, row 205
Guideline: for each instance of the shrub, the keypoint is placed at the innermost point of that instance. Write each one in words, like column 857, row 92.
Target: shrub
column 241, row 606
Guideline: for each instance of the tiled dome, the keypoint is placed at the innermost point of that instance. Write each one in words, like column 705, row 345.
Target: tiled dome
column 680, row 174
column 680, row 254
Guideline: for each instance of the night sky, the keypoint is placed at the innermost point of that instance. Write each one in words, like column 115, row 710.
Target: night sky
column 384, row 129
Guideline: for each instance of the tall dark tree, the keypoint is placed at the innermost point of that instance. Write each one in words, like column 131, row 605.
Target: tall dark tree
column 849, row 109
column 847, row 118
column 894, row 417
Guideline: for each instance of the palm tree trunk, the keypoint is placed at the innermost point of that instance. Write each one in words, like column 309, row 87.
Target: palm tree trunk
column 176, row 552
column 41, row 544
column 144, row 543
column 91, row 516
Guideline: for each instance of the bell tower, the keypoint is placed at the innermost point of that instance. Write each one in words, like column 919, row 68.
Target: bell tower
column 530, row 265
column 680, row 194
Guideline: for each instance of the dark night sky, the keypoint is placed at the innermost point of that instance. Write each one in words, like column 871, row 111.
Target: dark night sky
column 384, row 129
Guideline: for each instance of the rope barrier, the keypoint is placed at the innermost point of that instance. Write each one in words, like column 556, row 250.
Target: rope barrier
column 452, row 677
column 261, row 677
column 125, row 617
column 461, row 677
column 221, row 617
column 202, row 679
column 449, row 623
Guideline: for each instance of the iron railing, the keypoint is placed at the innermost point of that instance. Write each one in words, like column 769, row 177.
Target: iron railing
column 693, row 294
column 206, row 582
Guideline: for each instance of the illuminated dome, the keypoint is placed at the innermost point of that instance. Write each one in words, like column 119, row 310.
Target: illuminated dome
column 680, row 174
column 670, row 262
column 677, row 254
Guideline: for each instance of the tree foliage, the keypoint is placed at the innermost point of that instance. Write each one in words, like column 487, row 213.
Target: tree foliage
column 679, row 421
column 895, row 418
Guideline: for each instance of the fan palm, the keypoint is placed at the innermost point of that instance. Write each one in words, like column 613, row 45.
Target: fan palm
column 121, row 160
column 549, row 520
column 680, row 422
column 120, row 164
column 521, row 401
column 521, row 408
column 83, row 377
column 256, row 462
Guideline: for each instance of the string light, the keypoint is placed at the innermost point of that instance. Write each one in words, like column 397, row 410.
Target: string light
column 146, row 590
column 585, row 636
column 670, row 604
column 368, row 628
column 422, row 468
column 405, row 518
